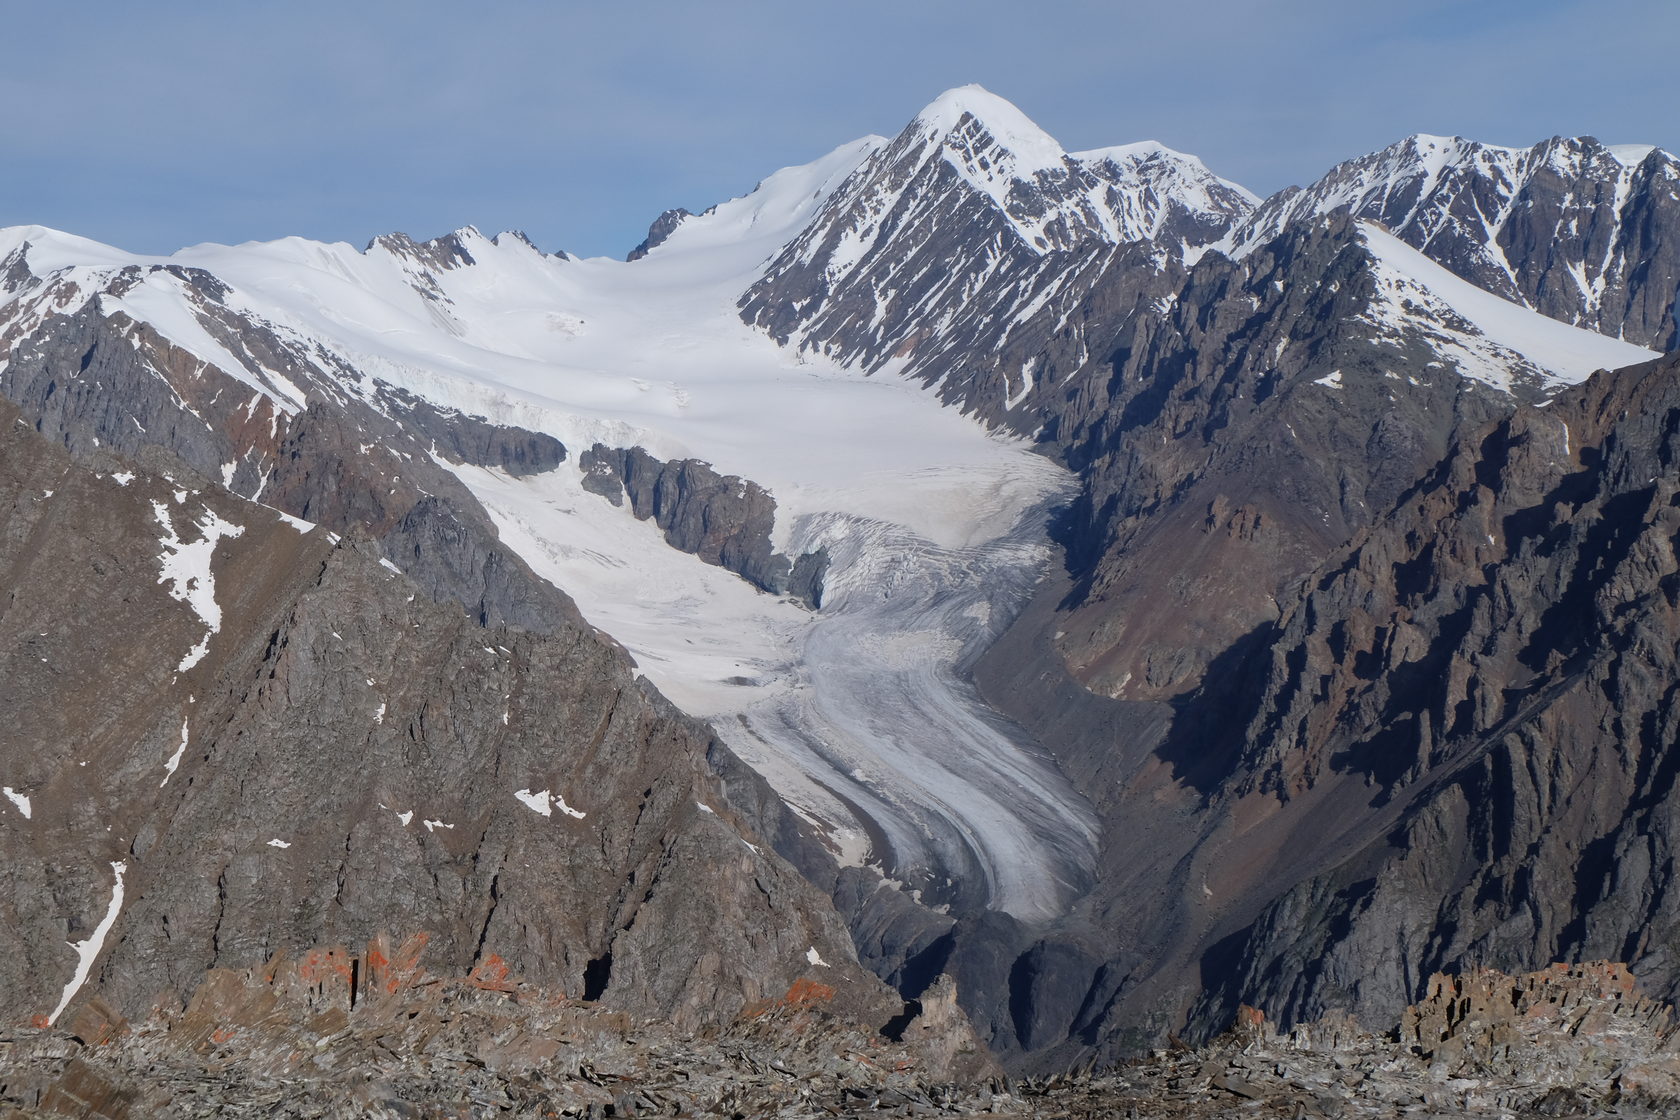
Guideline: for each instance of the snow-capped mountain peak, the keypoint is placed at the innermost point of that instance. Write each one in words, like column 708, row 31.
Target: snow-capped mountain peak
column 962, row 219
column 986, row 138
column 1054, row 199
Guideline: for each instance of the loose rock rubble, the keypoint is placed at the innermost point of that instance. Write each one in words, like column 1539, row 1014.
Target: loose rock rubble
column 1571, row 1040
column 332, row 1035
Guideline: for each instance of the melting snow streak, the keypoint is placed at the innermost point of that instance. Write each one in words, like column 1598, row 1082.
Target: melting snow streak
column 88, row 950
column 175, row 759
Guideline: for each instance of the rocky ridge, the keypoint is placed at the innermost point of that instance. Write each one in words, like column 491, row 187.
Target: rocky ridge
column 331, row 1034
column 1577, row 230
column 723, row 519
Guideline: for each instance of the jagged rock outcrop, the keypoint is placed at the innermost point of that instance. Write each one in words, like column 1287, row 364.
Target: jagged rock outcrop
column 722, row 519
column 1591, row 1018
column 1491, row 668
column 662, row 227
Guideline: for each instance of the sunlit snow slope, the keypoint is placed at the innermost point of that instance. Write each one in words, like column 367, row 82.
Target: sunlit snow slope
column 1487, row 338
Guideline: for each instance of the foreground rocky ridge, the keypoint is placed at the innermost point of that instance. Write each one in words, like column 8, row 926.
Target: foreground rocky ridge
column 327, row 1033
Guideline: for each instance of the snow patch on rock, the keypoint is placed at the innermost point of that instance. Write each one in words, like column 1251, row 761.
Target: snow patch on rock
column 17, row 799
column 87, row 952
column 536, row 802
column 175, row 759
column 186, row 568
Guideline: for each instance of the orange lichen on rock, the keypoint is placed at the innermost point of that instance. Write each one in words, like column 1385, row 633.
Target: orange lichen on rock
column 803, row 993
column 492, row 974
column 391, row 970
column 320, row 967
column 806, row 991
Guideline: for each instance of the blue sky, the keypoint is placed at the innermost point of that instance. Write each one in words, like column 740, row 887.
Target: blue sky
column 161, row 124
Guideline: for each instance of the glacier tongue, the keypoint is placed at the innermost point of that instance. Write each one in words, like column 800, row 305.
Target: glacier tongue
column 881, row 716
column 857, row 714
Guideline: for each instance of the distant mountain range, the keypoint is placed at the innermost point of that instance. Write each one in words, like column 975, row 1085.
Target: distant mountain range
column 1063, row 572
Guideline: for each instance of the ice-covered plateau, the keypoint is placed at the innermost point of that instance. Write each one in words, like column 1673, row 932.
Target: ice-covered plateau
column 858, row 713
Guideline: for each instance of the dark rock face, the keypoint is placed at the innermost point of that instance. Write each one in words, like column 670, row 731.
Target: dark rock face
column 85, row 385
column 343, row 757
column 1245, row 432
column 805, row 583
column 663, row 226
column 1568, row 227
column 722, row 519
column 471, row 439
column 1467, row 711
column 1495, row 666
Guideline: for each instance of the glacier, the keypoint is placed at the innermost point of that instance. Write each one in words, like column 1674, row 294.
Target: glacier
column 859, row 714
